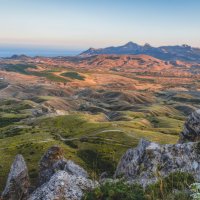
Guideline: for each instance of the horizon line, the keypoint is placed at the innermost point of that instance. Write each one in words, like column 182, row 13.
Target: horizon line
column 49, row 46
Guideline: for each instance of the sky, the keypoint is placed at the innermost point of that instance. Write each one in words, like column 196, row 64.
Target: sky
column 80, row 24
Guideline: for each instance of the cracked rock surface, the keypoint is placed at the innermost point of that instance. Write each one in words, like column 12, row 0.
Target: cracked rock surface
column 61, row 186
column 148, row 161
column 17, row 185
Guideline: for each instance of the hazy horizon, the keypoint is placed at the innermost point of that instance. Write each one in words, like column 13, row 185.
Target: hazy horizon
column 32, row 51
column 78, row 25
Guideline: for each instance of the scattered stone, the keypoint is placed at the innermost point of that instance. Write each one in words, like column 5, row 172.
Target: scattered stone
column 18, row 181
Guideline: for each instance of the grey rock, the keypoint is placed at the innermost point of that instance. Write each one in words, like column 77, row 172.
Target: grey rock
column 18, row 181
column 191, row 131
column 49, row 159
column 75, row 169
column 149, row 161
column 63, row 186
column 53, row 161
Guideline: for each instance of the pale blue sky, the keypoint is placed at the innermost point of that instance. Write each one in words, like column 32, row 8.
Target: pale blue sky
column 80, row 24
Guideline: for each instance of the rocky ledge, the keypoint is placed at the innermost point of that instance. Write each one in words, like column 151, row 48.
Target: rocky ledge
column 149, row 161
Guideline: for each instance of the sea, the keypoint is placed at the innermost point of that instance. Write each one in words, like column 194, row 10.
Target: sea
column 32, row 52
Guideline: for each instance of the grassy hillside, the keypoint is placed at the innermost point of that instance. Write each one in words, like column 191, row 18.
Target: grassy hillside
column 95, row 145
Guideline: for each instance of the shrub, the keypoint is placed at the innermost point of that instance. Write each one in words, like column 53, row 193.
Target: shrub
column 195, row 189
column 116, row 191
column 171, row 186
column 97, row 162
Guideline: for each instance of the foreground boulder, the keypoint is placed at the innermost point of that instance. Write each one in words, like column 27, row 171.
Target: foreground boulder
column 18, row 181
column 191, row 131
column 48, row 160
column 63, row 186
column 149, row 161
column 60, row 178
column 53, row 161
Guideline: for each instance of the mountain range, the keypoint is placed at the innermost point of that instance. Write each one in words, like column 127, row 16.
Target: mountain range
column 169, row 53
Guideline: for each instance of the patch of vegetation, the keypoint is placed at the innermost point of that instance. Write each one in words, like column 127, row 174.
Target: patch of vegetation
column 172, row 187
column 11, row 131
column 195, row 191
column 97, row 162
column 116, row 191
column 23, row 69
column 19, row 68
column 10, row 119
column 50, row 76
column 73, row 75
column 186, row 98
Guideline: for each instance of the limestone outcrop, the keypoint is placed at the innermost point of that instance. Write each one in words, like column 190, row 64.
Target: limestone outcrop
column 149, row 161
column 63, row 185
column 17, row 185
column 53, row 160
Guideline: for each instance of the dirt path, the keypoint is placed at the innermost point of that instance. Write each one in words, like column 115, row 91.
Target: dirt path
column 92, row 136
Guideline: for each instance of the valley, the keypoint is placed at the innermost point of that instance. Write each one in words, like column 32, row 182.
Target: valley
column 94, row 107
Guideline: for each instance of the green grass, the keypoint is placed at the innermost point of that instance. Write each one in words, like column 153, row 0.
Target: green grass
column 23, row 69
column 89, row 140
column 97, row 146
column 172, row 187
column 73, row 75
column 116, row 191
column 50, row 76
column 8, row 119
column 19, row 68
column 32, row 146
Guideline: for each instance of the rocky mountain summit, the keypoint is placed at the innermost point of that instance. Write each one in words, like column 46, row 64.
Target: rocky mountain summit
column 184, row 52
column 60, row 178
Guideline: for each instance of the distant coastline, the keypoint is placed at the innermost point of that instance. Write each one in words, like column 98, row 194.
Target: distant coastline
column 8, row 52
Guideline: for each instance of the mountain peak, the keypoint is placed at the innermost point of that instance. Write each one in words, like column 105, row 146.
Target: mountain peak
column 168, row 53
column 186, row 46
column 131, row 44
column 147, row 45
